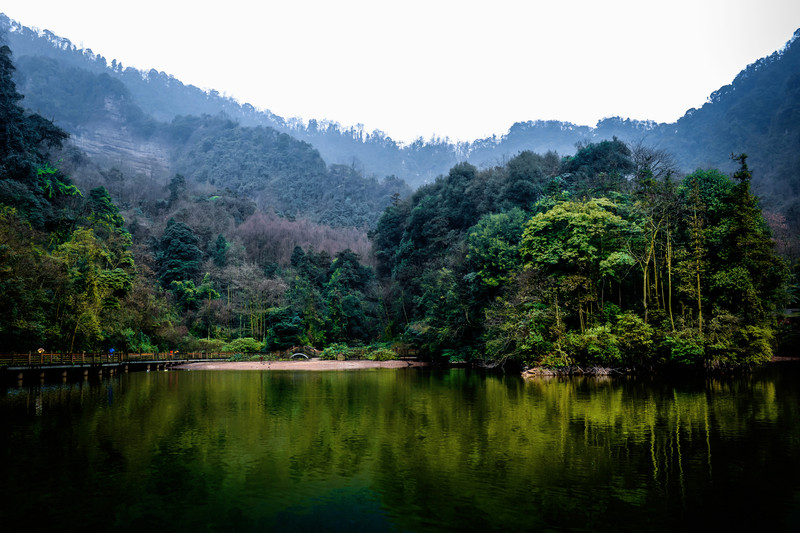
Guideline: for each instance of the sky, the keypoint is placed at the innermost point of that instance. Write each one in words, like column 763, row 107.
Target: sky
column 457, row 69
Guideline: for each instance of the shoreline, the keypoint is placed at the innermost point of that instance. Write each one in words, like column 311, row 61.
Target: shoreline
column 307, row 365
column 316, row 364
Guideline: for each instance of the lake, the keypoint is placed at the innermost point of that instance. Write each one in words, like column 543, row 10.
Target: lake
column 403, row 450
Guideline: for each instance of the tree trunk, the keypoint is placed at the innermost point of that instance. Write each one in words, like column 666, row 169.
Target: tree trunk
column 669, row 280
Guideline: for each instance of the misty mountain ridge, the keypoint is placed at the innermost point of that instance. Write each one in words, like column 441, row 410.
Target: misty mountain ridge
column 755, row 114
column 164, row 97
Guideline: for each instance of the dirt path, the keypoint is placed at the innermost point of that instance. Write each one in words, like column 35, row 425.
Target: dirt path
column 302, row 364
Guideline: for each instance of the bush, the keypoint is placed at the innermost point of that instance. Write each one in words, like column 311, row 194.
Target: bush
column 210, row 345
column 333, row 351
column 597, row 345
column 756, row 345
column 685, row 348
column 244, row 345
column 381, row 353
column 453, row 356
column 634, row 339
column 373, row 352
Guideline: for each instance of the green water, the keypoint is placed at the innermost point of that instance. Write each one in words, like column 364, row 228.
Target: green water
column 402, row 450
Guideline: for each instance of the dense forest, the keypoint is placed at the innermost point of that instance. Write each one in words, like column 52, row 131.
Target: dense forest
column 143, row 232
column 189, row 266
column 603, row 258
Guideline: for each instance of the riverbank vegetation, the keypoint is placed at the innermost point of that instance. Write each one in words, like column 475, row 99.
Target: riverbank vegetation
column 602, row 259
column 605, row 258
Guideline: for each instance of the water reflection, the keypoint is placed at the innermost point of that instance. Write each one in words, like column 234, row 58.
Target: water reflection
column 411, row 450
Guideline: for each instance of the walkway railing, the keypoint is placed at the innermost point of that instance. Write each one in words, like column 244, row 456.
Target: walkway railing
column 58, row 358
column 96, row 358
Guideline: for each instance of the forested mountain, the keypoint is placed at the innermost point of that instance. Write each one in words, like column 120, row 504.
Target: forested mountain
column 178, row 262
column 754, row 115
column 141, row 221
column 275, row 170
column 163, row 97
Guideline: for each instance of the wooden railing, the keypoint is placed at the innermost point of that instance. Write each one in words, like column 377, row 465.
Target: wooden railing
column 57, row 358
column 96, row 358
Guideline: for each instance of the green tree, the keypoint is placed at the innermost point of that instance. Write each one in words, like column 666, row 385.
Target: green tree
column 177, row 188
column 284, row 329
column 752, row 276
column 597, row 169
column 97, row 280
column 493, row 247
column 221, row 251
column 178, row 256
column 526, row 180
column 31, row 281
column 583, row 243
column 27, row 181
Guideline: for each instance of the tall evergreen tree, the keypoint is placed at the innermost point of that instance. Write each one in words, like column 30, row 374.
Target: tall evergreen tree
column 178, row 257
column 751, row 274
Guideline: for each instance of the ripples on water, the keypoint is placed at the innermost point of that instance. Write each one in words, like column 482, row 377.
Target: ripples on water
column 403, row 450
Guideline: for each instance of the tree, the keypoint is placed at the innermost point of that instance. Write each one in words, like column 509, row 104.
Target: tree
column 527, row 177
column 30, row 280
column 177, row 188
column 493, row 247
column 655, row 163
column 178, row 256
column 582, row 243
column 347, row 305
column 598, row 168
column 27, row 181
column 751, row 275
column 97, row 280
column 104, row 213
column 221, row 251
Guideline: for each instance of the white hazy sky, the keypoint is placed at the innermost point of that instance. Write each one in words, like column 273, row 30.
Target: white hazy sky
column 455, row 68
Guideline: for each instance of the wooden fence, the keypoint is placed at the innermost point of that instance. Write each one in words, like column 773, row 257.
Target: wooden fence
column 57, row 358
column 92, row 358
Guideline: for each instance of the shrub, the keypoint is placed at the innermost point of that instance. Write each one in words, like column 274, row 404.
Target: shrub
column 685, row 348
column 210, row 345
column 756, row 344
column 244, row 345
column 597, row 345
column 373, row 352
column 634, row 339
column 452, row 356
column 332, row 351
column 381, row 353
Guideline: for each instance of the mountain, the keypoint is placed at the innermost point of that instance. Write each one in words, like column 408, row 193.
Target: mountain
column 758, row 113
column 102, row 108
column 755, row 114
column 163, row 97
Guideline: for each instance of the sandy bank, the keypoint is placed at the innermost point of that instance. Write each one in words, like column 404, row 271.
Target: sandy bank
column 302, row 364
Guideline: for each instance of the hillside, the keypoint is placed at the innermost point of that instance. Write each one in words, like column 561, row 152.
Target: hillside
column 163, row 97
column 601, row 258
column 753, row 114
column 106, row 121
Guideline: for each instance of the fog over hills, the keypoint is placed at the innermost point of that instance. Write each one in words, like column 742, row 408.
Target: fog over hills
column 755, row 114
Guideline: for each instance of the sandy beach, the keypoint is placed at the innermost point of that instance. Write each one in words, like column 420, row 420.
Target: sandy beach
column 302, row 364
